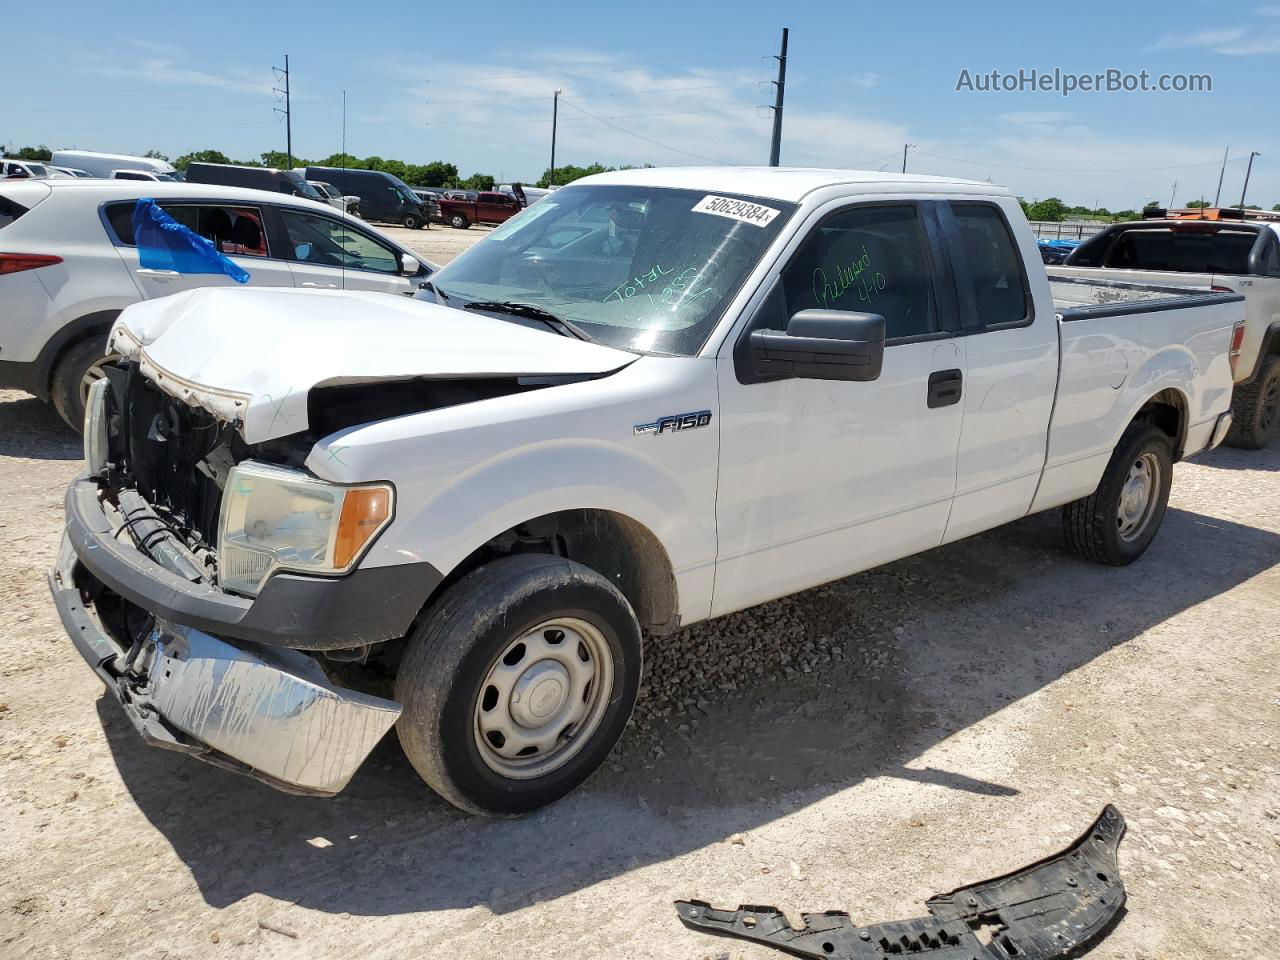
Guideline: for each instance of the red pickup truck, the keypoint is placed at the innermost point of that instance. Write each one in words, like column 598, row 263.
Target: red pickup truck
column 487, row 207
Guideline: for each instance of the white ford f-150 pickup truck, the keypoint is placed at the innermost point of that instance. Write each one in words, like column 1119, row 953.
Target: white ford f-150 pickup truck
column 655, row 397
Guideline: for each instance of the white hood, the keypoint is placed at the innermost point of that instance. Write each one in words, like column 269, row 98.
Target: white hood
column 253, row 354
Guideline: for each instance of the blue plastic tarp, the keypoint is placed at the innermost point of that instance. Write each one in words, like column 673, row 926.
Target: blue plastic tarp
column 165, row 244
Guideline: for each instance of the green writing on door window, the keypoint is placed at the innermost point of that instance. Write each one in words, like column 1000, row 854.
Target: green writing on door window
column 858, row 275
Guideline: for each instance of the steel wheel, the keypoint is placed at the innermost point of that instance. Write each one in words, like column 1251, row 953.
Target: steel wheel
column 543, row 698
column 1138, row 498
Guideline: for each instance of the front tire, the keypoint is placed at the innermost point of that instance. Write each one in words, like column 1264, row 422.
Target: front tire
column 518, row 683
column 410, row 221
column 1117, row 523
column 75, row 372
column 459, row 222
column 1255, row 408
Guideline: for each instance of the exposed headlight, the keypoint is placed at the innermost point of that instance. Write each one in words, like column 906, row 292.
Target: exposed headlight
column 95, row 427
column 274, row 519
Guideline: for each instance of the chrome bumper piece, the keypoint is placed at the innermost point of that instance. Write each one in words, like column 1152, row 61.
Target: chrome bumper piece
column 269, row 712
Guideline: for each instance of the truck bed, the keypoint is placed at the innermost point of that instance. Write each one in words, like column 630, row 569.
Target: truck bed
column 1120, row 344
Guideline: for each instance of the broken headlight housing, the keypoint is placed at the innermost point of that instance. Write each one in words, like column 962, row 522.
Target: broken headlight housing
column 274, row 518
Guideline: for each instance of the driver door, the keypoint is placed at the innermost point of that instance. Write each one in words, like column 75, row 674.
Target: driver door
column 326, row 253
column 822, row 478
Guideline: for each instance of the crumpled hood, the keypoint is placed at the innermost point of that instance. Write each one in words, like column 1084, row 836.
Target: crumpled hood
column 252, row 355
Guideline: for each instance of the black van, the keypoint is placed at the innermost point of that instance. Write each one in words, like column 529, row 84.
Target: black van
column 255, row 178
column 382, row 196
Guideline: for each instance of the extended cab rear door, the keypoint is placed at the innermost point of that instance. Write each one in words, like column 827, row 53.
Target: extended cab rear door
column 1011, row 350
column 821, row 478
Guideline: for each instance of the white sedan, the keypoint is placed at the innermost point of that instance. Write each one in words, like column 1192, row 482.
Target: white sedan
column 69, row 266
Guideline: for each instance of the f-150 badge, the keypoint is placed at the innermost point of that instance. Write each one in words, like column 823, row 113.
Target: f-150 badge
column 677, row 421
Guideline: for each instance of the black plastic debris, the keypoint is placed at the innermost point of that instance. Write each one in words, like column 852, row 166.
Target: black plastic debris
column 1058, row 907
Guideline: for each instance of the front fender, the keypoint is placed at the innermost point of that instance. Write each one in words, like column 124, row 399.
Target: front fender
column 465, row 474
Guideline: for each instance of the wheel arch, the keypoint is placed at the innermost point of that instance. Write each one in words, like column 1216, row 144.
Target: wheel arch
column 613, row 544
column 91, row 324
column 1166, row 410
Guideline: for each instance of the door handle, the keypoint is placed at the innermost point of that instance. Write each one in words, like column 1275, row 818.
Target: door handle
column 319, row 286
column 945, row 388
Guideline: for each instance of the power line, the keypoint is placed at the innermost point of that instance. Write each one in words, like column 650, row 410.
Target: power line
column 1010, row 166
column 640, row 136
column 603, row 96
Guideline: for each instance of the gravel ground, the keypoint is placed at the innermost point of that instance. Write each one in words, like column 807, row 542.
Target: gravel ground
column 860, row 746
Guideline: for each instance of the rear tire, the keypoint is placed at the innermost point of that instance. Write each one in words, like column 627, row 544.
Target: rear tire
column 1117, row 523
column 73, row 374
column 1255, row 408
column 535, row 645
column 410, row 221
column 458, row 221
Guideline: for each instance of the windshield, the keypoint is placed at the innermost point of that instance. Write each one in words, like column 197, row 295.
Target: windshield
column 408, row 194
column 307, row 190
column 38, row 169
column 641, row 268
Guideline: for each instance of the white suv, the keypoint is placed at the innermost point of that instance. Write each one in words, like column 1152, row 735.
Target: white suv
column 68, row 266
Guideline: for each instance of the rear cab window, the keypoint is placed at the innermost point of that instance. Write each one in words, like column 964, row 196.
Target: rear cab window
column 997, row 276
column 1190, row 247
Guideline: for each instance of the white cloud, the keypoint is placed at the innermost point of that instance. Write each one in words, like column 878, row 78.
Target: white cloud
column 1036, row 116
column 1230, row 41
column 865, row 81
column 164, row 70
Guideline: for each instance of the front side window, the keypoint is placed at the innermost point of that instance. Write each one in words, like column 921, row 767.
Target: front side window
column 642, row 268
column 1001, row 293
column 867, row 259
column 332, row 243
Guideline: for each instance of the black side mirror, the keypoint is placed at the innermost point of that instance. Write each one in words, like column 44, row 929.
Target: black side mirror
column 821, row 345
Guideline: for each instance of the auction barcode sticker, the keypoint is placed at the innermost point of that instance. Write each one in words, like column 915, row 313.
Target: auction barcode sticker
column 751, row 213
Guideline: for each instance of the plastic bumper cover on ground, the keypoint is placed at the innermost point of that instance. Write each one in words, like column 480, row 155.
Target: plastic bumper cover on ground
column 264, row 711
column 1058, row 907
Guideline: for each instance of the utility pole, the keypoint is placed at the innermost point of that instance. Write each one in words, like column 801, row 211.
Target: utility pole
column 555, row 114
column 1221, row 174
column 1173, row 193
column 287, row 112
column 905, row 148
column 1248, row 170
column 775, row 148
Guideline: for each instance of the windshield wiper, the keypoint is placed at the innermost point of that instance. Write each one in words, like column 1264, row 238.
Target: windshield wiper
column 558, row 324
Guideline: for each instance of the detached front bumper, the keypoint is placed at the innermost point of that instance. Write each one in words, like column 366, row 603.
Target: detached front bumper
column 264, row 711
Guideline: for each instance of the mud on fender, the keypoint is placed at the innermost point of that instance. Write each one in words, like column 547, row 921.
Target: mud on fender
column 1060, row 906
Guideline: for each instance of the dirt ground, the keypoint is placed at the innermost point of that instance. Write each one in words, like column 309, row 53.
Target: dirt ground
column 861, row 746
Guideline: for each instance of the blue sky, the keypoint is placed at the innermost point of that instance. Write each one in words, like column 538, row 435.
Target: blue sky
column 678, row 83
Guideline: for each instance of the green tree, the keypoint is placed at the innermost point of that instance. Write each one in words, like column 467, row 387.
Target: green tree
column 1051, row 209
column 437, row 173
column 155, row 155
column 1197, row 204
column 280, row 160
column 570, row 173
column 342, row 160
column 1276, row 208
column 201, row 156
column 41, row 153
column 477, row 181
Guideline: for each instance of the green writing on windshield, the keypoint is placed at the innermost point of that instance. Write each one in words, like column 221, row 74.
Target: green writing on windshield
column 856, row 275
column 637, row 284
